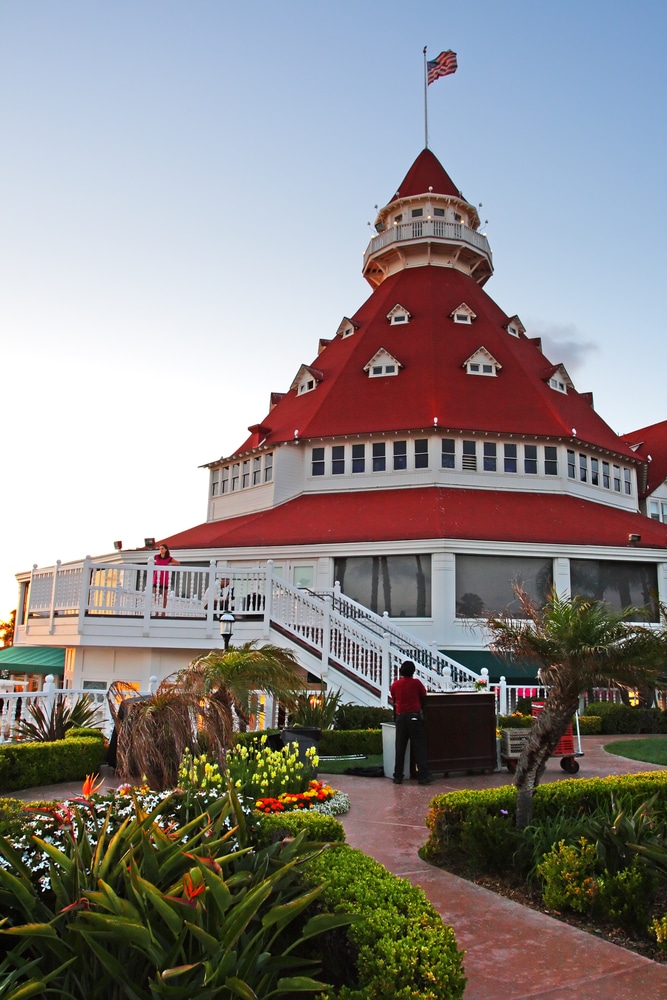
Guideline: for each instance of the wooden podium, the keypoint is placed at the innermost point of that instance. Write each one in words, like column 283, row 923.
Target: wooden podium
column 460, row 732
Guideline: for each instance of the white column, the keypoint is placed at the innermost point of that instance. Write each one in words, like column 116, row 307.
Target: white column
column 268, row 601
column 212, row 594
column 385, row 676
column 84, row 597
column 148, row 596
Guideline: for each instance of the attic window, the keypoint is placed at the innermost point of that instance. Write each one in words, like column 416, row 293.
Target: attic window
column 381, row 364
column 307, row 386
column 347, row 332
column 399, row 314
column 475, row 368
column 463, row 314
column 376, row 371
column 462, row 318
column 558, row 385
column 513, row 330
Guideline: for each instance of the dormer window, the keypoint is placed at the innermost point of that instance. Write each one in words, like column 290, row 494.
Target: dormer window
column 399, row 314
column 463, row 314
column 306, row 379
column 558, row 379
column 346, row 328
column 515, row 327
column 382, row 364
column 482, row 363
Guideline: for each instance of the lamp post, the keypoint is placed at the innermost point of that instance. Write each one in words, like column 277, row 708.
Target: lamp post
column 226, row 627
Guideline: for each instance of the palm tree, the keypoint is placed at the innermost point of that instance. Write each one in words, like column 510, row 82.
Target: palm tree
column 201, row 706
column 577, row 643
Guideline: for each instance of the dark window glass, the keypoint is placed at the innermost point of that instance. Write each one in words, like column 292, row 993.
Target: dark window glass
column 510, row 458
column 530, row 459
column 595, row 471
column 268, row 468
column 619, row 584
column 550, row 460
column 627, row 481
column 399, row 585
column 421, row 454
column 358, row 458
column 400, row 454
column 490, row 461
column 605, row 475
column 246, row 474
column 571, row 470
column 318, row 462
column 379, row 457
column 338, row 460
column 485, row 584
column 583, row 468
column 448, row 453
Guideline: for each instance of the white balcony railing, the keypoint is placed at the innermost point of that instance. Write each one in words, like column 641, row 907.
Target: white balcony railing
column 437, row 229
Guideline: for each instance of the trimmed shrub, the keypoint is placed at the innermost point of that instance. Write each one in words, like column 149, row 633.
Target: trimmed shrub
column 362, row 717
column 516, row 721
column 403, row 949
column 618, row 719
column 590, row 725
column 341, row 743
column 27, row 765
column 316, row 827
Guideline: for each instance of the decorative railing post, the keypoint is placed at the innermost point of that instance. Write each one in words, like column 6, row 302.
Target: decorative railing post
column 152, row 684
column 326, row 636
column 49, row 690
column 212, row 591
column 502, row 697
column 268, row 597
column 54, row 583
column 385, row 675
column 447, row 675
column 84, row 598
column 148, row 596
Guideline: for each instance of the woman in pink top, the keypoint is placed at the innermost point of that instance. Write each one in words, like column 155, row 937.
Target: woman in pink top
column 161, row 578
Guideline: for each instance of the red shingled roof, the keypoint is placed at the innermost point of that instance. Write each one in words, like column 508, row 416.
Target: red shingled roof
column 426, row 172
column 427, row 513
column 652, row 441
column 431, row 349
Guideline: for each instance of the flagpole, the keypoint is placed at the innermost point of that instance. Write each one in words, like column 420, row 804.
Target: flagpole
column 425, row 102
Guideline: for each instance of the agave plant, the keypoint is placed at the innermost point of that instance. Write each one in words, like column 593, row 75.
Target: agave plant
column 316, row 710
column 190, row 913
column 54, row 724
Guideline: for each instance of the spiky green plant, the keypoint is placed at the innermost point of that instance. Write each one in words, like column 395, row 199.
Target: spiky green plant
column 187, row 914
column 318, row 711
column 578, row 644
column 54, row 723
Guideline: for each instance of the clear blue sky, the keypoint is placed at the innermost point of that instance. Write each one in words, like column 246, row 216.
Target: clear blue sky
column 186, row 188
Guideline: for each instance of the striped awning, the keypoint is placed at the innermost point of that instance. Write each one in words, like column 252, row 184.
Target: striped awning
column 33, row 660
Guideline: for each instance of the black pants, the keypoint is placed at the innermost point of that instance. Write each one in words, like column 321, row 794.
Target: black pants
column 410, row 729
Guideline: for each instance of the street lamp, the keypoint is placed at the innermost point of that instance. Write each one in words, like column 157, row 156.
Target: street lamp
column 226, row 627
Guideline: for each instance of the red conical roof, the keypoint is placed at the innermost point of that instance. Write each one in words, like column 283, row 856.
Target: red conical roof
column 426, row 172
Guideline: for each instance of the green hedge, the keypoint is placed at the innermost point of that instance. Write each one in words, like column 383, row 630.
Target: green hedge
column 481, row 824
column 590, row 725
column 333, row 742
column 319, row 828
column 362, row 717
column 618, row 719
column 404, row 951
column 29, row 765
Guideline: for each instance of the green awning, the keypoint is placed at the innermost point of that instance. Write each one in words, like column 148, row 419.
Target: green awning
column 33, row 660
column 514, row 671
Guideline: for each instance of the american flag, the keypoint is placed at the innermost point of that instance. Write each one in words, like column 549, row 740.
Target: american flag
column 443, row 65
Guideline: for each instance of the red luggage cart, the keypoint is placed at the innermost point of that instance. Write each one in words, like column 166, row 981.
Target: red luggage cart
column 565, row 746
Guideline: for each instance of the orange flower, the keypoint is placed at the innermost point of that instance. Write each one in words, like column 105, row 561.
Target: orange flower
column 89, row 786
column 191, row 890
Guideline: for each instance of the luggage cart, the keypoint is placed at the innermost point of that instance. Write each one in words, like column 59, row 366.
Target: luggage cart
column 513, row 741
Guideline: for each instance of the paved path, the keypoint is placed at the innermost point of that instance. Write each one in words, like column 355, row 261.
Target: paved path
column 512, row 952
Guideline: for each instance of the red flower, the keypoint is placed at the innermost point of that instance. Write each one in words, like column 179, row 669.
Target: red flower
column 191, row 890
column 89, row 787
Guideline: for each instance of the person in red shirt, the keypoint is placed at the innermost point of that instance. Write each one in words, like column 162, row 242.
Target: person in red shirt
column 408, row 696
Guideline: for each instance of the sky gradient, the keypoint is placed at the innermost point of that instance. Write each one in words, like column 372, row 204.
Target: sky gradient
column 186, row 189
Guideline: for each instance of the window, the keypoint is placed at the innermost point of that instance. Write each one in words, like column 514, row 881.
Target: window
column 663, row 509
column 617, row 479
column 627, row 481
column 318, row 461
column 583, row 468
column 235, row 477
column 457, row 217
column 417, row 213
column 399, row 318
column 439, row 213
column 618, row 584
column 448, row 460
column 379, row 457
column 338, row 460
column 224, row 480
column 462, row 318
column 556, row 384
column 550, row 460
column 571, row 471
column 399, row 585
column 268, row 467
column 398, row 218
column 605, row 475
column 307, row 386
column 490, row 460
column 595, row 472
column 654, row 510
column 245, row 478
column 421, row 453
column 400, row 454
column 485, row 584
column 215, row 482
column 470, row 455
column 510, row 458
column 530, row 459
column 256, row 471
column 358, row 458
